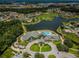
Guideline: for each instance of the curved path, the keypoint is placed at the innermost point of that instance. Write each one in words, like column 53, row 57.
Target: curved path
column 53, row 51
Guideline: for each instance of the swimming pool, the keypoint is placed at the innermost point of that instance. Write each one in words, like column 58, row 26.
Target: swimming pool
column 46, row 33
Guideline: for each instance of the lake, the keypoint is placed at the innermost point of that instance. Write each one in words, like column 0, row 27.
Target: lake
column 49, row 25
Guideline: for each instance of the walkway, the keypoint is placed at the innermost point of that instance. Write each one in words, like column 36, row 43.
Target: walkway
column 53, row 51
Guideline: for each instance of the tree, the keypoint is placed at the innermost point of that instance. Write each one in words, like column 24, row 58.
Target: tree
column 26, row 55
column 68, row 43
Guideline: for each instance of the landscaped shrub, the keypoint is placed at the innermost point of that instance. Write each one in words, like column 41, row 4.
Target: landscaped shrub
column 51, row 56
column 26, row 55
column 38, row 55
column 62, row 47
column 68, row 43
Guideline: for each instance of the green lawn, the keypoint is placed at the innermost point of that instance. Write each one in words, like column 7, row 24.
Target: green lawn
column 36, row 48
column 47, row 16
column 46, row 48
column 24, row 43
column 57, row 42
column 7, row 54
column 74, row 51
column 51, row 56
column 72, row 37
column 38, row 55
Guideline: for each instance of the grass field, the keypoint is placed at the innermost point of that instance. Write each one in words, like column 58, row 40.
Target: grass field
column 72, row 37
column 44, row 48
column 7, row 54
column 23, row 43
column 35, row 47
column 51, row 56
column 47, row 16
column 74, row 51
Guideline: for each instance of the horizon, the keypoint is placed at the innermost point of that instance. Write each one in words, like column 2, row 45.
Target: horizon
column 39, row 1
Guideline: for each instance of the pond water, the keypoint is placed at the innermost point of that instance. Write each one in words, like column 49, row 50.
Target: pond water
column 49, row 25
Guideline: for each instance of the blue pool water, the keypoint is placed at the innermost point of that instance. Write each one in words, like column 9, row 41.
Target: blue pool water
column 46, row 33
